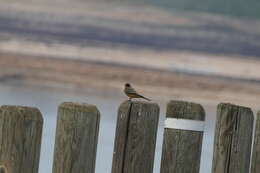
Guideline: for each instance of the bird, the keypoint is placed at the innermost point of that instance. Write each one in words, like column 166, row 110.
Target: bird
column 131, row 93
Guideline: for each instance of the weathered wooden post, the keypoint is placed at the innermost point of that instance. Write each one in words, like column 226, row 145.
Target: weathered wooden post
column 20, row 139
column 76, row 138
column 135, row 140
column 183, row 135
column 3, row 169
column 255, row 164
column 233, row 139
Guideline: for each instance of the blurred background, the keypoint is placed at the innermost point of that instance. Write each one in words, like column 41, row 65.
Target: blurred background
column 204, row 51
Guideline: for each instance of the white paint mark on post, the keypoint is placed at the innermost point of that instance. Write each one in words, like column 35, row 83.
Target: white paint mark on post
column 184, row 124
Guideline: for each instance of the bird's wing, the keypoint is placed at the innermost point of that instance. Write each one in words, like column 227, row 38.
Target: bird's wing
column 131, row 90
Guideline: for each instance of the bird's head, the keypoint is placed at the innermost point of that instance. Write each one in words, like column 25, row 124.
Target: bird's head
column 127, row 85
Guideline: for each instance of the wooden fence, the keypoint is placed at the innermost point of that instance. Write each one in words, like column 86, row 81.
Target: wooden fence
column 134, row 146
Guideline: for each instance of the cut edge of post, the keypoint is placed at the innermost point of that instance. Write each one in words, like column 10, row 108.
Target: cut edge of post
column 238, row 107
column 129, row 104
column 31, row 112
column 3, row 169
column 200, row 112
column 235, row 105
column 138, row 102
column 84, row 107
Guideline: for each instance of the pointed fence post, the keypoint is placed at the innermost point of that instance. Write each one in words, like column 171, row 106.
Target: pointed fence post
column 183, row 135
column 135, row 140
column 76, row 138
column 233, row 139
column 20, row 139
column 255, row 164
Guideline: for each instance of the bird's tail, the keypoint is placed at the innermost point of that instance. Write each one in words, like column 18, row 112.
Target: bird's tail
column 145, row 98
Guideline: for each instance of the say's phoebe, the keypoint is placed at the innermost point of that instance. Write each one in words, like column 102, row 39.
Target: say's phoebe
column 131, row 93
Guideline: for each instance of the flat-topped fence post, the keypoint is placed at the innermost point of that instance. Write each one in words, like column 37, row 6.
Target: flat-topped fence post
column 233, row 139
column 20, row 139
column 183, row 136
column 76, row 138
column 135, row 140
column 255, row 164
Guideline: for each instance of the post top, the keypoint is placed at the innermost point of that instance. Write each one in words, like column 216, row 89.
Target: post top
column 233, row 105
column 30, row 112
column 236, row 108
column 139, row 102
column 15, row 107
column 185, row 110
column 79, row 106
column 127, row 104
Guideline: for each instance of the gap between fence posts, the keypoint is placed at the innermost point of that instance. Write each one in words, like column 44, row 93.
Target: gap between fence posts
column 181, row 151
column 76, row 138
column 233, row 139
column 135, row 140
column 20, row 139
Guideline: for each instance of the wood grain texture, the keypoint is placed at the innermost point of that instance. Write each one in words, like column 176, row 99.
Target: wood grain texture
column 20, row 139
column 76, row 138
column 135, row 140
column 255, row 164
column 233, row 139
column 3, row 169
column 182, row 148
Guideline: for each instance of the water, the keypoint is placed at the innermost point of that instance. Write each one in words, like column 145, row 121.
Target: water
column 47, row 100
column 234, row 8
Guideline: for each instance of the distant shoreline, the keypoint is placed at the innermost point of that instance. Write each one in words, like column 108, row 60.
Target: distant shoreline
column 84, row 74
column 119, row 65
